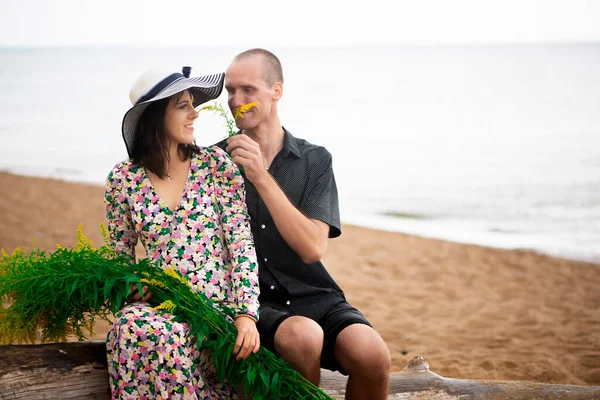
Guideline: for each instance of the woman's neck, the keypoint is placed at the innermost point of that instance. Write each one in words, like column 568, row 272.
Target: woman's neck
column 175, row 164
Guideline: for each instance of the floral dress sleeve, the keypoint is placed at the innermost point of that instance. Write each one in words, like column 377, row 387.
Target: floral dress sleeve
column 120, row 225
column 233, row 216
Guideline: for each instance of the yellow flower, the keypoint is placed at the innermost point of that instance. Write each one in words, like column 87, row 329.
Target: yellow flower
column 229, row 122
column 211, row 107
column 153, row 282
column 105, row 234
column 82, row 240
column 19, row 251
column 172, row 273
column 241, row 110
column 167, row 305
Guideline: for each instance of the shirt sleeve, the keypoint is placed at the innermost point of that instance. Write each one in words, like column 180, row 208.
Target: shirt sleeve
column 120, row 225
column 321, row 200
column 233, row 216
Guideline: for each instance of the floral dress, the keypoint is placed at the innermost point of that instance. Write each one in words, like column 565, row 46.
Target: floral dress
column 150, row 356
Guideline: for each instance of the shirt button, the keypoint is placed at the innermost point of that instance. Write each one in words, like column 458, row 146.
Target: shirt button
column 272, row 287
column 287, row 302
column 265, row 260
column 263, row 226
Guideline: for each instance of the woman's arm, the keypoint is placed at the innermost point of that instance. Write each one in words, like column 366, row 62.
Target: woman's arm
column 120, row 225
column 233, row 216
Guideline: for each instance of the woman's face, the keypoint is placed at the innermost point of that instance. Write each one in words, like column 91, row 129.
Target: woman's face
column 179, row 119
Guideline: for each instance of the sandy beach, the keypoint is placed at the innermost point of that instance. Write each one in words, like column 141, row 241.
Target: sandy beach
column 471, row 311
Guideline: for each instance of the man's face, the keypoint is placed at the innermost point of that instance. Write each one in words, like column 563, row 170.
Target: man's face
column 245, row 83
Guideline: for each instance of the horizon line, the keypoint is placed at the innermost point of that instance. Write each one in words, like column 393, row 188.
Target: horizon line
column 343, row 45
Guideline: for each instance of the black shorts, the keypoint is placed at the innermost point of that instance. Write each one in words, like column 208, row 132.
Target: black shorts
column 333, row 322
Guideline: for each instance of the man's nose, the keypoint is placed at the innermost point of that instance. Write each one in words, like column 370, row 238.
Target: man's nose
column 236, row 100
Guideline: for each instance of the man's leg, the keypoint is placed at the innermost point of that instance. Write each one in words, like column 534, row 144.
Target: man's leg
column 362, row 353
column 299, row 341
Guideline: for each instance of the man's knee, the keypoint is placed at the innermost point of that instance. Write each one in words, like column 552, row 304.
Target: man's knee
column 360, row 350
column 299, row 337
column 377, row 362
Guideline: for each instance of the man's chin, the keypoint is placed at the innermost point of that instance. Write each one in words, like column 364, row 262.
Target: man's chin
column 245, row 125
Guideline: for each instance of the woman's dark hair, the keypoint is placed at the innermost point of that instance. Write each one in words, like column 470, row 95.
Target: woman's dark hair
column 150, row 142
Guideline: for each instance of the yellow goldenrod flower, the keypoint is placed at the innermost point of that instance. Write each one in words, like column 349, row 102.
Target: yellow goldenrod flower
column 167, row 305
column 19, row 251
column 211, row 107
column 173, row 273
column 82, row 240
column 229, row 122
column 241, row 110
column 153, row 282
column 105, row 234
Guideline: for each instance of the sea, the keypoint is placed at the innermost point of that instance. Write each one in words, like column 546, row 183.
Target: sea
column 496, row 145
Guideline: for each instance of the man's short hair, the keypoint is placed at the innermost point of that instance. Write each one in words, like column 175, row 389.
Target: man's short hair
column 272, row 65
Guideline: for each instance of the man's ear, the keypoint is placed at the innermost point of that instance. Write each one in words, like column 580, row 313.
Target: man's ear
column 277, row 90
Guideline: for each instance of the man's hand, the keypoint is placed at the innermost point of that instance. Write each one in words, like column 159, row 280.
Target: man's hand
column 248, row 339
column 246, row 152
column 134, row 294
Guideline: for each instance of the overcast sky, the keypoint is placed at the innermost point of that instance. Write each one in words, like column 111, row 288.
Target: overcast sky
column 305, row 22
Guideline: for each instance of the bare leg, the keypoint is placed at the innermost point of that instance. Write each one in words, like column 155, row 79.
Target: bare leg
column 364, row 355
column 299, row 341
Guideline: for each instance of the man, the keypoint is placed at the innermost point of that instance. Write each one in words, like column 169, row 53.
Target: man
column 292, row 201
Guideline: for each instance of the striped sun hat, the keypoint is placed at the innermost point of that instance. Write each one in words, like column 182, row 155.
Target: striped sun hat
column 155, row 85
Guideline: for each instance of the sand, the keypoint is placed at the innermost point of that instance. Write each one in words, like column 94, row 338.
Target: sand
column 473, row 312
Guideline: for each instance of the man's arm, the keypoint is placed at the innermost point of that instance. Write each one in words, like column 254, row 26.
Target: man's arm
column 307, row 237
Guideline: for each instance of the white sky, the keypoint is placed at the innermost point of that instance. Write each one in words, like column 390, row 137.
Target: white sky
column 286, row 23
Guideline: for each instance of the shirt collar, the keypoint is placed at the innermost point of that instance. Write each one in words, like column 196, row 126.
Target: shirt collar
column 290, row 144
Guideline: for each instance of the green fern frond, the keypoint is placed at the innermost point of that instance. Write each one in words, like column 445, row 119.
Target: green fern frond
column 52, row 296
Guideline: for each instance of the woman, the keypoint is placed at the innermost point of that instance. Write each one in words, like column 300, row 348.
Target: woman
column 186, row 205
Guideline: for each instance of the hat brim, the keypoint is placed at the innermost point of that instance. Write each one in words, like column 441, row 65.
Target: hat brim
column 202, row 88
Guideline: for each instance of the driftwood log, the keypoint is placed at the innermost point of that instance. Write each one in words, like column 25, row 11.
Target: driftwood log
column 78, row 371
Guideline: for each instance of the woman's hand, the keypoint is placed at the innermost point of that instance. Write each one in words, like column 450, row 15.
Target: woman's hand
column 248, row 339
column 134, row 294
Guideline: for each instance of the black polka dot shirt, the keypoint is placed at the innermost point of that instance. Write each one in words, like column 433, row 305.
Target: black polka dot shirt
column 304, row 172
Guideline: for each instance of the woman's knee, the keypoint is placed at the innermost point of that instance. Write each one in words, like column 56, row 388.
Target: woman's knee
column 140, row 320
